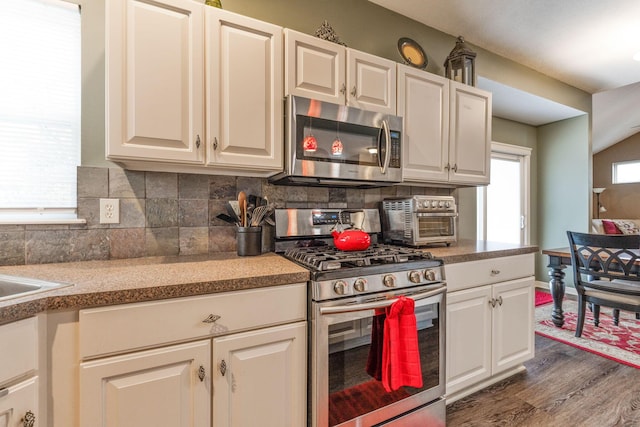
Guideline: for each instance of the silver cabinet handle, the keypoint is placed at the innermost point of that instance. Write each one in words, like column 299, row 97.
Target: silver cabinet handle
column 215, row 143
column 29, row 419
column 201, row 373
column 343, row 89
column 455, row 167
column 212, row 318
column 354, row 92
column 495, row 272
column 492, row 301
column 197, row 141
column 500, row 300
column 223, row 367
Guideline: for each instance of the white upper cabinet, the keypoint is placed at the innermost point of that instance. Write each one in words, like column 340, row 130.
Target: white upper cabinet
column 154, row 80
column 423, row 102
column 163, row 57
column 447, row 129
column 322, row 70
column 470, row 135
column 244, row 87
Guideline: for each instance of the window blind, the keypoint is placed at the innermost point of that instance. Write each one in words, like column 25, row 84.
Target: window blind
column 39, row 107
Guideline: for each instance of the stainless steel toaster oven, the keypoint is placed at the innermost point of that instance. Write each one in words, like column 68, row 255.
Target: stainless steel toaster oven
column 419, row 220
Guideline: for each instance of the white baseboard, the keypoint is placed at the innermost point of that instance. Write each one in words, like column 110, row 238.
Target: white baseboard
column 568, row 289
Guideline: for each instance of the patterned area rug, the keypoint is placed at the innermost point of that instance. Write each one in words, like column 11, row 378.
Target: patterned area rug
column 619, row 343
column 543, row 298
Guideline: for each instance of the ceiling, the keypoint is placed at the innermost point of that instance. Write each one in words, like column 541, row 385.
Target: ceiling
column 588, row 44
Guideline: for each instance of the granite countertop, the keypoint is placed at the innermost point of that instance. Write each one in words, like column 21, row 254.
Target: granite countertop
column 100, row 283
column 472, row 250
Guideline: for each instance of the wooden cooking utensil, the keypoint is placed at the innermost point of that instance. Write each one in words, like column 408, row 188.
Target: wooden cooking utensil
column 242, row 203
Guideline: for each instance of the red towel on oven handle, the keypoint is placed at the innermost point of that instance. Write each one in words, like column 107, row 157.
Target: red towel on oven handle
column 400, row 353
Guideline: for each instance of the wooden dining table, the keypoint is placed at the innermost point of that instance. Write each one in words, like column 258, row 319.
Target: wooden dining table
column 559, row 259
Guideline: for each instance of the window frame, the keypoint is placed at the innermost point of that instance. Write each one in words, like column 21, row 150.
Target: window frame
column 523, row 155
column 614, row 171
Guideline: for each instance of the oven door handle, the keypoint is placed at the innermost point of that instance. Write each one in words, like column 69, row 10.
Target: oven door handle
column 378, row 304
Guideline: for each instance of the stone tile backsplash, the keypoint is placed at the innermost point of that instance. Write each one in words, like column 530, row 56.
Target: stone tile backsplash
column 165, row 214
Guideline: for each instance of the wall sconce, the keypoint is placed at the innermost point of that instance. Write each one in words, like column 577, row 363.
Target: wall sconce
column 460, row 64
column 600, row 208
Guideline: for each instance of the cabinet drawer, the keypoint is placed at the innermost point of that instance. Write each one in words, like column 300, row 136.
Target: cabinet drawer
column 466, row 275
column 126, row 327
column 19, row 344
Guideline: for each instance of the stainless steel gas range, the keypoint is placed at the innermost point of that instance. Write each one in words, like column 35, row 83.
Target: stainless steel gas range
column 347, row 292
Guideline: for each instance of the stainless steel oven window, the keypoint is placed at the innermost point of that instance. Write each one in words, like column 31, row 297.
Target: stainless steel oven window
column 341, row 388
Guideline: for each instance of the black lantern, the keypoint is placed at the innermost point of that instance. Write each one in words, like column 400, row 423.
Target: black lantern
column 460, row 64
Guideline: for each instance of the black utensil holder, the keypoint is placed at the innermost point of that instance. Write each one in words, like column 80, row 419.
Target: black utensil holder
column 249, row 241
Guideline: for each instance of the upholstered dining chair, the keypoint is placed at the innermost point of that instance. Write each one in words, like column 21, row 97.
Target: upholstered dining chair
column 606, row 272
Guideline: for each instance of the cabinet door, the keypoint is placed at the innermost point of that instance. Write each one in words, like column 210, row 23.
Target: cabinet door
column 160, row 388
column 244, row 81
column 371, row 82
column 20, row 401
column 154, row 80
column 260, row 378
column 423, row 102
column 513, row 328
column 314, row 68
column 468, row 337
column 470, row 134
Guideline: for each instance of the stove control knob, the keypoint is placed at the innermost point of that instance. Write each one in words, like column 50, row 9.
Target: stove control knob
column 360, row 285
column 340, row 287
column 430, row 275
column 414, row 276
column 389, row 280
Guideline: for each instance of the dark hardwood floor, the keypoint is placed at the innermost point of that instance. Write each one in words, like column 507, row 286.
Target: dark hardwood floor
column 563, row 386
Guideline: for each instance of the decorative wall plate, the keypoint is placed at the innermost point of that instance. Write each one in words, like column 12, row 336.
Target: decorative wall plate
column 412, row 53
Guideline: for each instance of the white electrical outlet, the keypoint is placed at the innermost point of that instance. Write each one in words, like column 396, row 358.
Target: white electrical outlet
column 109, row 211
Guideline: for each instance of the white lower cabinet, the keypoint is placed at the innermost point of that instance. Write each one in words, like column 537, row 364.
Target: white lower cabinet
column 490, row 330
column 243, row 360
column 18, row 404
column 168, row 386
column 19, row 374
column 260, row 378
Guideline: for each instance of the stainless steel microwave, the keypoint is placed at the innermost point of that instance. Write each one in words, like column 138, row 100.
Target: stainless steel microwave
column 330, row 144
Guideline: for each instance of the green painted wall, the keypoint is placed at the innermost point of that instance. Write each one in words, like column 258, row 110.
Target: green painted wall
column 564, row 185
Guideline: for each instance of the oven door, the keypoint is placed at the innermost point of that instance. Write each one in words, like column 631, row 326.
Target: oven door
column 342, row 392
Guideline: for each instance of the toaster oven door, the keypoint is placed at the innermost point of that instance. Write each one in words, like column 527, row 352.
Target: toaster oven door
column 439, row 227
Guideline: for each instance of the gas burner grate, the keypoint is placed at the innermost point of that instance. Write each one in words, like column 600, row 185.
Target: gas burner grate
column 330, row 258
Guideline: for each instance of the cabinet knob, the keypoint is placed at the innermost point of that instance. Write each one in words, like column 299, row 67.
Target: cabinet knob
column 215, row 143
column 500, row 300
column 492, row 302
column 223, row 367
column 212, row 318
column 197, row 141
column 447, row 167
column 201, row 373
column 455, row 167
column 343, row 89
column 354, row 92
column 495, row 272
column 29, row 419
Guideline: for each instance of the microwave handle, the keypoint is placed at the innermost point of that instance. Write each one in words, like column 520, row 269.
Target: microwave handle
column 347, row 308
column 387, row 136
